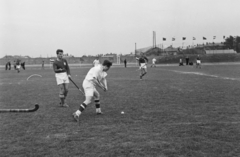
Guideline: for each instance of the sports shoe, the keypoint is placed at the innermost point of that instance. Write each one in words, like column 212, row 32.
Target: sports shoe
column 65, row 105
column 98, row 113
column 75, row 116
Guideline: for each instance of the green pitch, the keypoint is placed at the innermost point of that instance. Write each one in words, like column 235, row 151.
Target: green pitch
column 173, row 111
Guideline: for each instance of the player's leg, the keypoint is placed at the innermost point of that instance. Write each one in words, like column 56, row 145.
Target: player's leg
column 144, row 70
column 89, row 92
column 65, row 92
column 18, row 68
column 61, row 94
column 97, row 102
column 141, row 73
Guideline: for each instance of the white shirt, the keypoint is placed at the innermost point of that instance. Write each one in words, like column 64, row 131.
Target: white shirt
column 153, row 60
column 96, row 62
column 95, row 72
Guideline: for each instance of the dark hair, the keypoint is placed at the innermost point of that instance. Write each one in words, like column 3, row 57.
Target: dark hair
column 107, row 63
column 59, row 50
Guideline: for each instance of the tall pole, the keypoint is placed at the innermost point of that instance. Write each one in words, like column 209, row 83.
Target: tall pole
column 135, row 48
column 153, row 39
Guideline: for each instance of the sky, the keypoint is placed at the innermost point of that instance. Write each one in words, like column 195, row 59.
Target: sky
column 37, row 28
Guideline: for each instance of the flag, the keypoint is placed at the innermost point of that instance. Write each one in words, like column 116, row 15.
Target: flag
column 204, row 38
column 194, row 38
column 183, row 38
column 214, row 37
column 164, row 39
column 173, row 39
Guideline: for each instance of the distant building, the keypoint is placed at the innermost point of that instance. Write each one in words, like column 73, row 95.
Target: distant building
column 171, row 50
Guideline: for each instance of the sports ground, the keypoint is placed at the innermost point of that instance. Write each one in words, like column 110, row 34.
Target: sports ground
column 173, row 112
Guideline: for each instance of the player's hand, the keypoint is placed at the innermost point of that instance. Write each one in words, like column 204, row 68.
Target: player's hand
column 69, row 76
column 104, row 89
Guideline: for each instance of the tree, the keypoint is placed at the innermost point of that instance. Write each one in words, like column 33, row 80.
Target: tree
column 233, row 43
column 229, row 42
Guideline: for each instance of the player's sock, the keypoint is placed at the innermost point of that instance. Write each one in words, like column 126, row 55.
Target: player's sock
column 62, row 98
column 97, row 104
column 144, row 73
column 78, row 112
column 82, row 108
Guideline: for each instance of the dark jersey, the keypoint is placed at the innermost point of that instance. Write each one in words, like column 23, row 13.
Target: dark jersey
column 142, row 59
column 198, row 58
column 61, row 64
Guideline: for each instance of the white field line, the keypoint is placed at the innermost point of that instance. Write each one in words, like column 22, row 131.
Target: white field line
column 203, row 74
column 202, row 123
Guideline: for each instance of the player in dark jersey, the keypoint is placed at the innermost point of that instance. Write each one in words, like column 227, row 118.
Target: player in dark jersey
column 142, row 60
column 18, row 66
column 62, row 74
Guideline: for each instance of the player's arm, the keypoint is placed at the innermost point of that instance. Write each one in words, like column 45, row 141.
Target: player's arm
column 105, row 83
column 68, row 69
column 146, row 59
column 56, row 69
column 97, row 82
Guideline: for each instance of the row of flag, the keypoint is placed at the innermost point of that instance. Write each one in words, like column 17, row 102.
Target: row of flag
column 184, row 38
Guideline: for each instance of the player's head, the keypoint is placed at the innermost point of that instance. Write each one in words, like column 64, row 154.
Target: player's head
column 106, row 65
column 59, row 53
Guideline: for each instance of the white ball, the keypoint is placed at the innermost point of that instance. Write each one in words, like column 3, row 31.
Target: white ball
column 122, row 112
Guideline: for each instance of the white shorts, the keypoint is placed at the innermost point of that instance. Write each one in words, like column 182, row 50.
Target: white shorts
column 18, row 66
column 61, row 78
column 198, row 62
column 89, row 89
column 143, row 66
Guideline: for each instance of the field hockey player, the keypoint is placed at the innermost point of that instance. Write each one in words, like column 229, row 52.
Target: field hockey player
column 62, row 74
column 143, row 65
column 96, row 76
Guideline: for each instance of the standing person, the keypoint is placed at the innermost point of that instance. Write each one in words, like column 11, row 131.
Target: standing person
column 96, row 62
column 23, row 65
column 154, row 62
column 8, row 65
column 96, row 76
column 18, row 66
column 198, row 62
column 125, row 62
column 142, row 60
column 42, row 64
column 14, row 65
column 62, row 74
column 187, row 60
column 180, row 62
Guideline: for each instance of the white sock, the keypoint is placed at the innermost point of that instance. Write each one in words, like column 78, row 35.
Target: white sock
column 98, row 110
column 78, row 112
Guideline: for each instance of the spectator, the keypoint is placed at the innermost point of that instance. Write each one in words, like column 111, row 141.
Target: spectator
column 125, row 63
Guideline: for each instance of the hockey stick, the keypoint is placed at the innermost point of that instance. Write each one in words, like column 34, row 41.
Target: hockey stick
column 76, row 86
column 21, row 110
column 33, row 75
column 99, row 83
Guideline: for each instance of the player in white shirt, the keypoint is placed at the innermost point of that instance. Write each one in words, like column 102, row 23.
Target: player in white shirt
column 96, row 62
column 154, row 62
column 198, row 62
column 96, row 76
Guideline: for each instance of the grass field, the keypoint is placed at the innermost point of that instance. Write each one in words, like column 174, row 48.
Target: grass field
column 173, row 111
